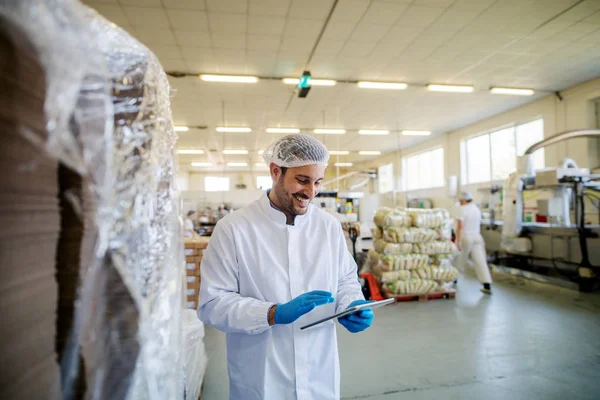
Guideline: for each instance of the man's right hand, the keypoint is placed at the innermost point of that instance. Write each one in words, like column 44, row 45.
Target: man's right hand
column 294, row 309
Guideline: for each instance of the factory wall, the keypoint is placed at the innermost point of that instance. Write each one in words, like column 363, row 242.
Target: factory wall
column 575, row 111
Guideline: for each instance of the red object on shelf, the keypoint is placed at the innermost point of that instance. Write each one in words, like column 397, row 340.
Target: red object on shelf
column 373, row 287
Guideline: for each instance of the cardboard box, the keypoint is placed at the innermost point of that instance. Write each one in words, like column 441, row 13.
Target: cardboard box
column 192, row 279
column 193, row 272
column 198, row 243
column 190, row 259
column 192, row 304
column 191, row 266
column 190, row 252
column 192, row 297
column 193, row 285
column 192, row 292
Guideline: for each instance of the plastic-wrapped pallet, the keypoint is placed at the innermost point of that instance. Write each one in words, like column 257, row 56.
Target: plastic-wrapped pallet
column 411, row 248
column 108, row 119
column 194, row 353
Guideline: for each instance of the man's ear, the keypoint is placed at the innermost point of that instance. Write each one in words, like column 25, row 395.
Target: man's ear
column 275, row 171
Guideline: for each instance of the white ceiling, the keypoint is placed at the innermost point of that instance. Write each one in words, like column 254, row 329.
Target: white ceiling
column 510, row 43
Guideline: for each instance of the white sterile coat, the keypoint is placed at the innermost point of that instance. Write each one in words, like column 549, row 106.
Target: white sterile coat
column 255, row 260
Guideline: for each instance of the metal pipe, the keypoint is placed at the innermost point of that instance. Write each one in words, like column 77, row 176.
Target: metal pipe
column 562, row 136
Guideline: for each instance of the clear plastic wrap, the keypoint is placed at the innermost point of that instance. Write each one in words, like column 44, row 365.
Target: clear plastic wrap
column 194, row 353
column 409, row 235
column 108, row 118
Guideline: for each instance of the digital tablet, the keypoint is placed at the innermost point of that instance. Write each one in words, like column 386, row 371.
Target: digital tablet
column 351, row 310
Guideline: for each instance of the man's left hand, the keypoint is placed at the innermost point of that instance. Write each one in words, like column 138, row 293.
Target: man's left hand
column 358, row 321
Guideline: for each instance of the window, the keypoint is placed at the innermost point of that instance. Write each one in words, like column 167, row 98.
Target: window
column 264, row 182
column 216, row 184
column 424, row 170
column 528, row 134
column 493, row 156
column 385, row 175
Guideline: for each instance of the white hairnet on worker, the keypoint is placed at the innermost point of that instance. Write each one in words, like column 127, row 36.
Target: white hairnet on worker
column 296, row 150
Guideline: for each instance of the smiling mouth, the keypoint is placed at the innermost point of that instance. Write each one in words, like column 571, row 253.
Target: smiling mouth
column 302, row 200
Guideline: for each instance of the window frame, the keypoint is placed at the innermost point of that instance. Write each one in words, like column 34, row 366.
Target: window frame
column 464, row 167
column 391, row 167
column 404, row 163
column 217, row 177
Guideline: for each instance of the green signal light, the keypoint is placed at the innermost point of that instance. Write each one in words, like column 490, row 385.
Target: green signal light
column 304, row 81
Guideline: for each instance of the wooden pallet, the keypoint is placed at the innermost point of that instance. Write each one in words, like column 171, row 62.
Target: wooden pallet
column 423, row 297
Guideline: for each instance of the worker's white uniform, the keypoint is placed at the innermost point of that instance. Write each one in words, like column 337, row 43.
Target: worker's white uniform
column 188, row 228
column 255, row 260
column 472, row 243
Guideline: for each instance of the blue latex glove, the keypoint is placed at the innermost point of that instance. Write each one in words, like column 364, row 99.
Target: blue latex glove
column 294, row 309
column 358, row 321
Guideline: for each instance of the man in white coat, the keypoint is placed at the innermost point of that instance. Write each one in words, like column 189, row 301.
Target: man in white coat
column 470, row 242
column 274, row 266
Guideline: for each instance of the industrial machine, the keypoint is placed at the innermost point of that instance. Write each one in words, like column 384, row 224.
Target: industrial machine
column 544, row 228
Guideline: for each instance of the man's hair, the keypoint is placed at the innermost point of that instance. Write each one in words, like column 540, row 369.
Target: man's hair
column 283, row 170
column 191, row 212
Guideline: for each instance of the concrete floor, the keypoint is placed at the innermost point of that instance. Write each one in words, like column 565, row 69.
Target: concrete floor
column 526, row 341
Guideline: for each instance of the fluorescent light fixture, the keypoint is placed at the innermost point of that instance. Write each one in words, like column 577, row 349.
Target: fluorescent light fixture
column 260, row 152
column 369, row 153
column 416, row 133
column 450, row 88
column 382, row 85
column 313, row 82
column 201, row 164
column 339, row 152
column 232, row 152
column 181, row 129
column 343, row 164
column 513, row 91
column 261, row 165
column 283, row 130
column 190, row 151
column 237, row 164
column 233, row 129
column 229, row 78
column 373, row 132
column 330, row 131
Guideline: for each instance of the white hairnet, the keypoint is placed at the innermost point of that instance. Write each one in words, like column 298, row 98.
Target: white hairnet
column 296, row 150
column 466, row 196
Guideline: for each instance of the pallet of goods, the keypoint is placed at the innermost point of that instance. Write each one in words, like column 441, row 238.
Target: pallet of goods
column 412, row 252
column 193, row 251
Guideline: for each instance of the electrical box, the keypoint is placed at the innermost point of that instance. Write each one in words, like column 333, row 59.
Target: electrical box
column 552, row 176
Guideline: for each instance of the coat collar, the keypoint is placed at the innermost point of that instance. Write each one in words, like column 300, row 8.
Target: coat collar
column 279, row 216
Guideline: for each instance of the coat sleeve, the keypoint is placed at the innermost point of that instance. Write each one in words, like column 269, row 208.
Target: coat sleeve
column 220, row 304
column 349, row 288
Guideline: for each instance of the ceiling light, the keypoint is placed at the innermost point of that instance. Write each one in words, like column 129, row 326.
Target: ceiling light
column 231, row 129
column 330, row 131
column 369, row 153
column 450, row 88
column 261, row 165
column 190, row 151
column 260, row 152
column 283, row 130
column 313, row 82
column 343, row 164
column 513, row 91
column 201, row 164
column 373, row 132
column 237, row 164
column 339, row 153
column 382, row 85
column 181, row 129
column 416, row 133
column 231, row 152
column 229, row 78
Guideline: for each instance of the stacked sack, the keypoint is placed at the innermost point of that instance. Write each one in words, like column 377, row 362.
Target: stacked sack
column 412, row 250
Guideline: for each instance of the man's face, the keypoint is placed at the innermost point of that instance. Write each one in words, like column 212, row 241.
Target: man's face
column 462, row 202
column 295, row 189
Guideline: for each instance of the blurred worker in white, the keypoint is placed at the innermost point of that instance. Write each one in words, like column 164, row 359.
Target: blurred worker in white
column 189, row 224
column 274, row 266
column 470, row 242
